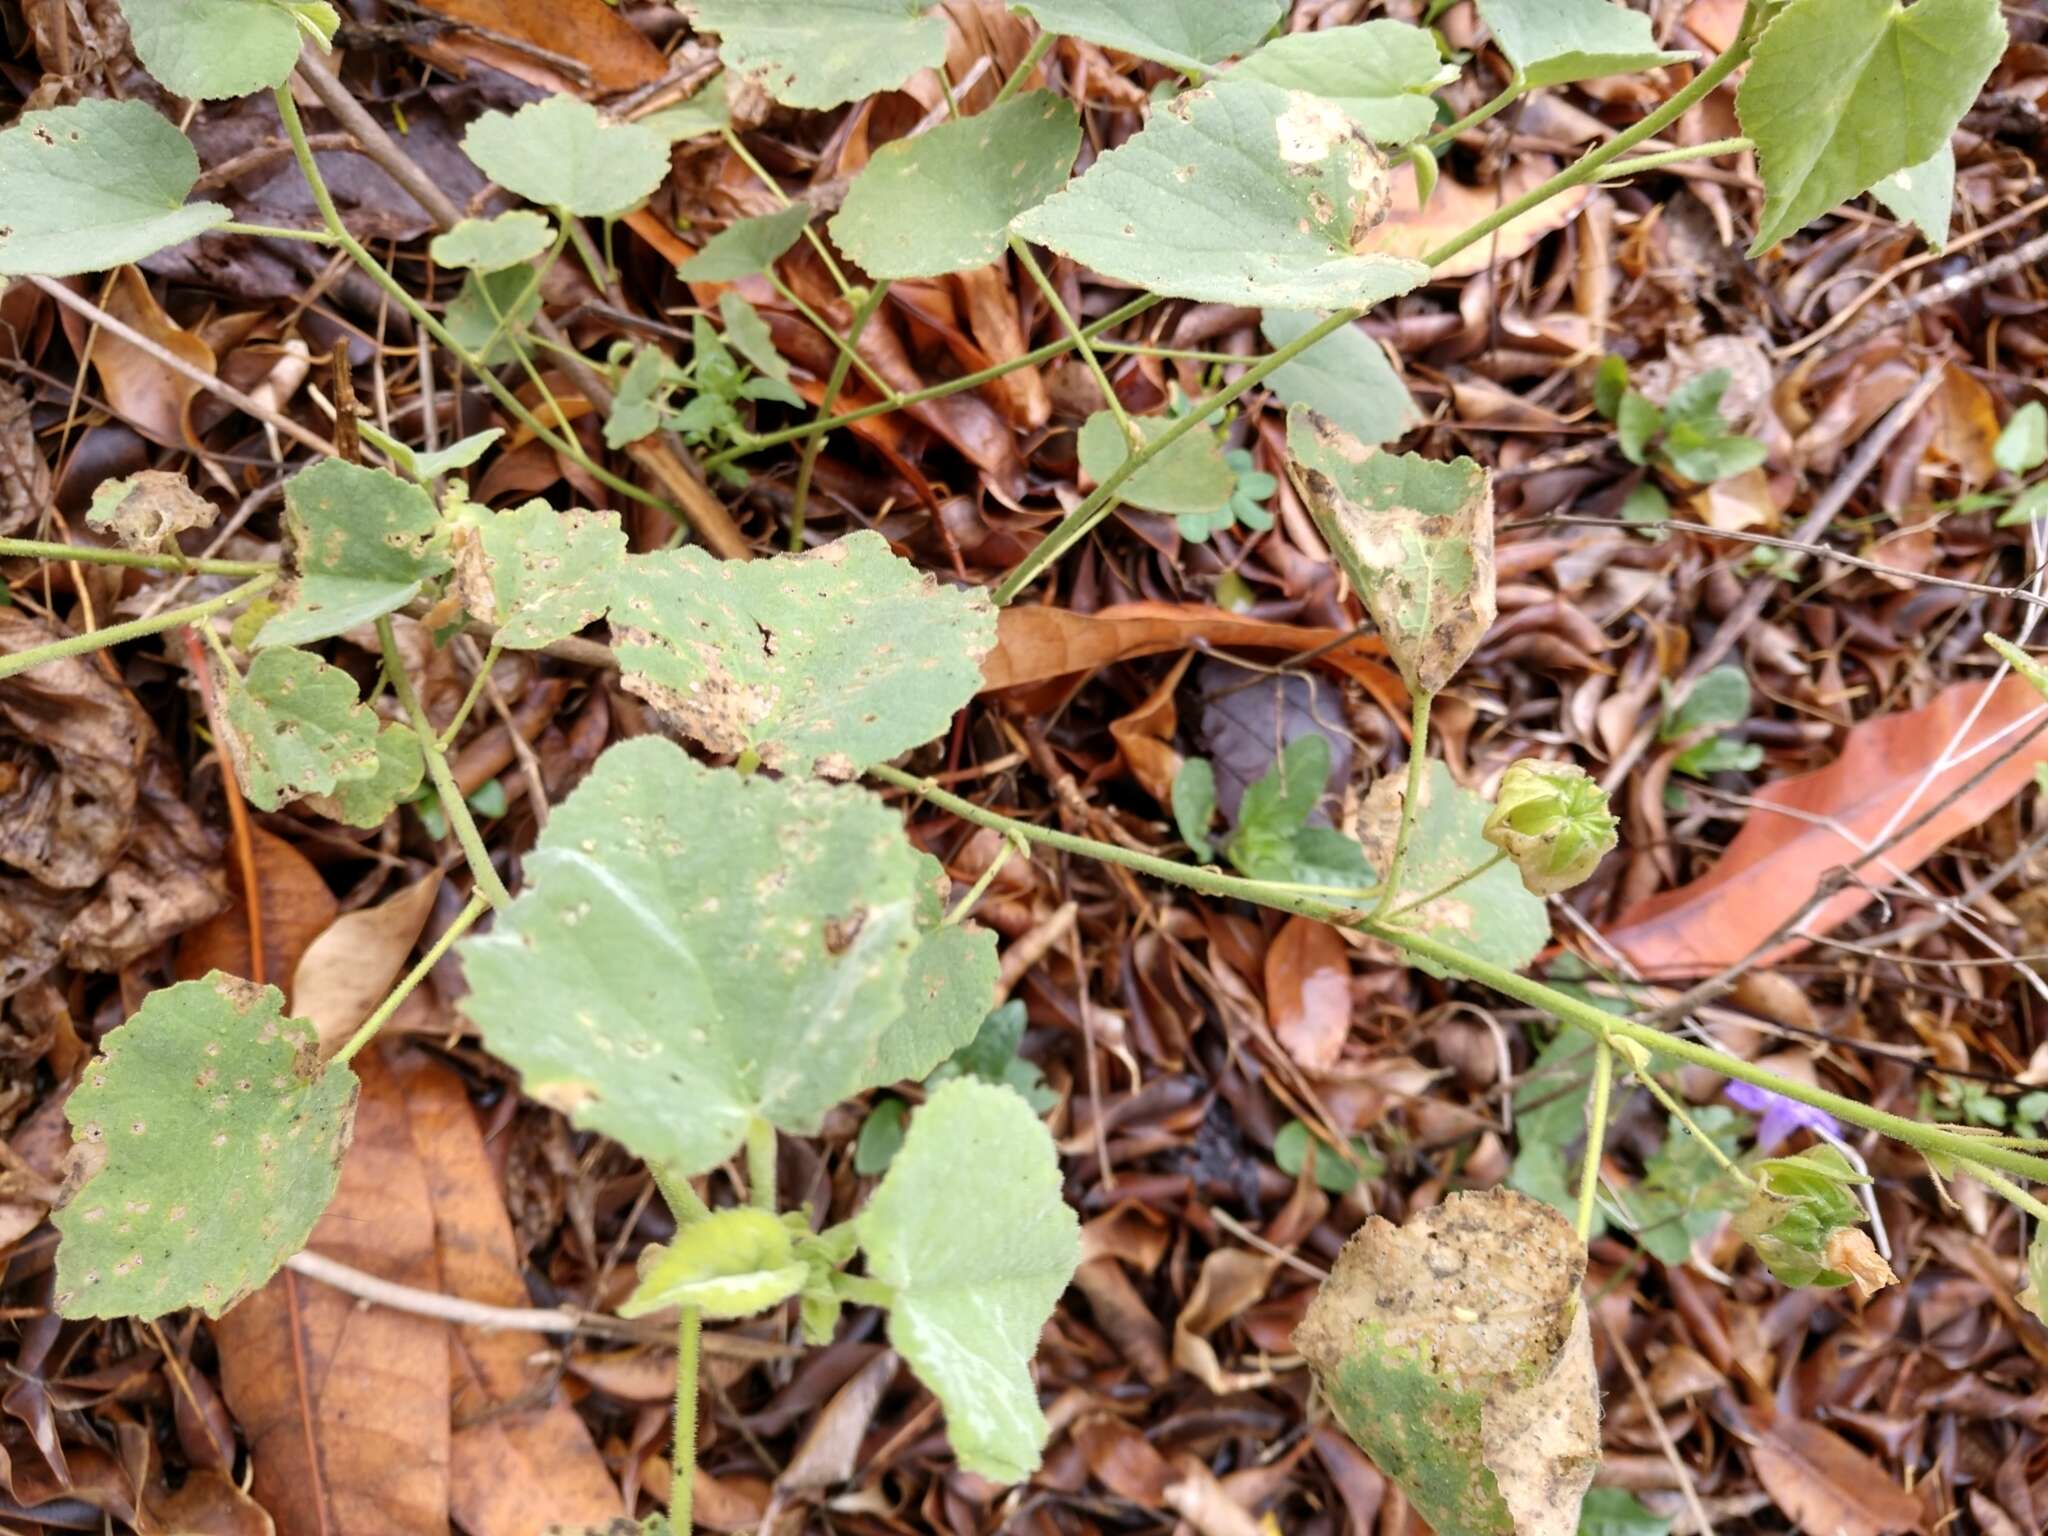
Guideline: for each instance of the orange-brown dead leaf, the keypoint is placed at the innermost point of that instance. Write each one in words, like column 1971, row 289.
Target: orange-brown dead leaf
column 1414, row 231
column 1826, row 1485
column 1308, row 992
column 1776, row 861
column 296, row 906
column 588, row 31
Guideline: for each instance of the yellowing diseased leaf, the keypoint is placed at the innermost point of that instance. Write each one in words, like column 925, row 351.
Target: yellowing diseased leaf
column 1414, row 536
column 733, row 1263
column 970, row 1230
column 210, row 1140
column 364, row 543
column 145, row 509
column 1455, row 1351
column 296, row 727
column 829, row 661
column 1239, row 192
column 539, row 575
column 695, row 949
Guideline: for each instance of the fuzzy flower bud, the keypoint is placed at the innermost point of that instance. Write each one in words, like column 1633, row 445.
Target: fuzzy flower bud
column 1552, row 820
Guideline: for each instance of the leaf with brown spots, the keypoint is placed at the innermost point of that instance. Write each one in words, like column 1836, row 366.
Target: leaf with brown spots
column 831, row 661
column 1414, row 536
column 209, row 1139
column 1456, row 1351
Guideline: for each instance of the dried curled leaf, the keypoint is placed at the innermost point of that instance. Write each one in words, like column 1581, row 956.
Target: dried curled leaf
column 210, row 1140
column 832, row 660
column 144, row 510
column 1414, row 536
column 1456, row 1351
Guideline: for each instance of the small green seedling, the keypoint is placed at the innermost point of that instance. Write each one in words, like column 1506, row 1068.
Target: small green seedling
column 1720, row 699
column 1686, row 437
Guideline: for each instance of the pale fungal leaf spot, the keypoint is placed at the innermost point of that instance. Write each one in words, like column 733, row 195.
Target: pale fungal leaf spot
column 1310, row 129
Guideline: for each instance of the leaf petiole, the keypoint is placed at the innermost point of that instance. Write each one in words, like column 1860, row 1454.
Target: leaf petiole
column 135, row 629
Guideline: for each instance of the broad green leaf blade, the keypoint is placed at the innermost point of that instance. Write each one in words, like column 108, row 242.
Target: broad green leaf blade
column 1554, row 42
column 1455, row 1350
column 1236, row 193
column 2022, row 445
column 1381, row 73
column 296, row 727
column 208, row 50
column 1345, row 377
column 1491, row 918
column 829, row 661
column 703, row 114
column 364, row 543
column 212, row 1138
column 1924, row 195
column 1414, row 536
column 563, row 153
column 491, row 311
column 943, row 201
column 89, row 187
column 823, row 53
column 1842, row 93
column 1173, row 32
column 491, row 245
column 1617, row 1512
column 369, row 802
column 970, row 1230
column 748, row 334
column 539, row 575
column 747, row 246
column 427, row 466
column 1190, row 476
column 695, row 949
column 951, row 987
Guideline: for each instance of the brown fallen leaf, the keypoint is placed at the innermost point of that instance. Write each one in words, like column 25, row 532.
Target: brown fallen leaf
column 295, row 904
column 1777, row 860
column 588, row 31
column 830, row 1449
column 1413, row 231
column 1205, row 1504
column 1124, row 1461
column 1825, row 1485
column 350, row 965
column 25, row 495
column 1455, row 1350
column 345, row 1406
column 1035, row 644
column 1308, row 992
column 516, row 1464
column 1145, row 735
column 143, row 391
column 1230, row 1280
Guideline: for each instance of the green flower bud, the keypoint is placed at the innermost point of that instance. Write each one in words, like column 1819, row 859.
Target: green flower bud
column 736, row 1263
column 1552, row 820
column 1798, row 1214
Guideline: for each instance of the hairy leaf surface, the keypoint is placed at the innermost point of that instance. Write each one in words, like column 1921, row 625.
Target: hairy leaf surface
column 364, row 543
column 822, row 53
column 1382, row 73
column 208, row 50
column 563, row 153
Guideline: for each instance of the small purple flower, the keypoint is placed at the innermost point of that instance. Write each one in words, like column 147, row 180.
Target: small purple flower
column 1781, row 1116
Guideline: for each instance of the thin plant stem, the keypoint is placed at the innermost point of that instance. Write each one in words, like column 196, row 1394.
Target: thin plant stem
column 1176, row 354
column 453, row 806
column 734, row 143
column 846, row 348
column 273, row 232
column 1011, row 844
column 135, row 559
column 864, row 1290
column 965, row 382
column 367, row 1032
column 1662, row 158
column 1411, row 798
column 1040, row 47
column 1093, row 363
column 476, row 688
column 1485, row 113
column 1443, row 890
column 836, row 381
column 1596, row 1137
column 1941, row 1141
column 563, row 443
column 684, row 1203
column 2012, row 1192
column 135, row 629
column 1683, row 1116
column 682, row 1486
column 761, row 1163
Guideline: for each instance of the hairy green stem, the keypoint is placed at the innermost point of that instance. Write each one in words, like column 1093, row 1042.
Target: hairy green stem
column 563, row 443
column 89, row 554
column 684, row 1203
column 1411, row 797
column 134, row 629
column 2012, row 1192
column 1596, row 1137
column 476, row 689
column 847, row 352
column 1442, row 891
column 1683, row 1116
column 1088, row 358
column 1473, row 119
column 453, row 806
column 936, row 391
column 1662, row 158
column 834, row 382
column 761, row 1163
column 682, row 1487
column 363, row 1036
column 1040, row 47
column 274, row 232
